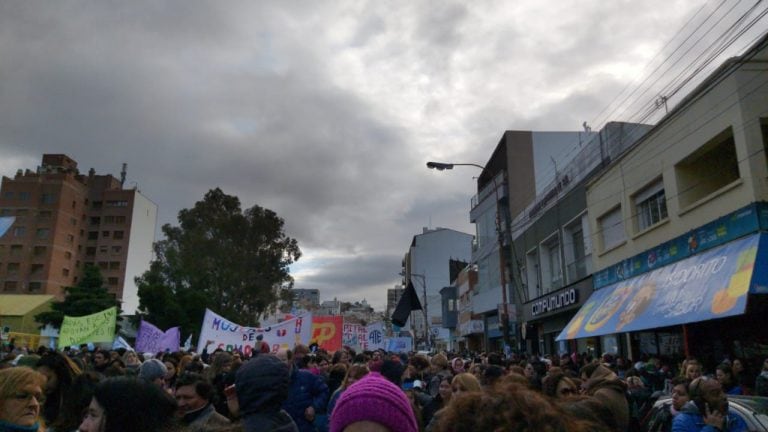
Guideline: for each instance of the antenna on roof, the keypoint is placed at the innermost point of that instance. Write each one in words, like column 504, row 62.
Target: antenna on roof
column 123, row 174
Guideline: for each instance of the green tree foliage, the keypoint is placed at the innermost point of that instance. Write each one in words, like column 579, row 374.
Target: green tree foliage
column 219, row 257
column 87, row 297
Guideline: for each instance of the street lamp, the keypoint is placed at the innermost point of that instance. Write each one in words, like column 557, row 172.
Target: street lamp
column 426, row 314
column 440, row 166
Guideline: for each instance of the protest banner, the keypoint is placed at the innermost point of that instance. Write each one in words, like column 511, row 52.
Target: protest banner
column 230, row 336
column 400, row 344
column 326, row 332
column 151, row 339
column 98, row 327
column 375, row 336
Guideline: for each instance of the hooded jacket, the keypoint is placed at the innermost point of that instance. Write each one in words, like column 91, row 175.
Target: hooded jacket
column 691, row 420
column 262, row 387
column 605, row 386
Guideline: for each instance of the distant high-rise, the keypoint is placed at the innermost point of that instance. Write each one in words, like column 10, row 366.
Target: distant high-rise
column 66, row 220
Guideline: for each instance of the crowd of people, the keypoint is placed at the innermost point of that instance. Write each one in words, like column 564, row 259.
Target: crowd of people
column 307, row 389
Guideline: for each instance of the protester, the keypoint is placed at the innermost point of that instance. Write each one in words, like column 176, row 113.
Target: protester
column 132, row 361
column 707, row 410
column 60, row 372
column 307, row 394
column 21, row 395
column 662, row 419
column 444, row 393
column 603, row 384
column 355, row 373
column 153, row 371
column 194, row 395
column 724, row 374
column 261, row 386
column 373, row 404
column 127, row 404
column 761, row 382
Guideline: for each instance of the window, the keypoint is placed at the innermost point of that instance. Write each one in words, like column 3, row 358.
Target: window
column 16, row 250
column 90, row 251
column 93, row 235
column 114, row 265
column 532, row 273
column 112, row 281
column 35, row 269
column 24, row 196
column 22, row 212
column 105, row 233
column 103, row 265
column 118, row 235
column 19, row 231
column 48, row 198
column 119, row 219
column 70, row 238
column 576, row 249
column 97, row 204
column 8, row 195
column 109, row 219
column 73, row 221
column 13, row 268
column 44, row 214
column 77, row 264
column 116, row 249
column 68, row 255
column 39, row 250
column 74, row 204
column 710, row 168
column 35, row 286
column 117, row 203
column 95, row 220
column 6, row 212
column 611, row 226
column 103, row 249
column 551, row 272
column 42, row 233
column 10, row 286
column 650, row 205
column 65, row 272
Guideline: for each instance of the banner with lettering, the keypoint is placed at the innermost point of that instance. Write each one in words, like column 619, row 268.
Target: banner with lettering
column 326, row 332
column 98, row 327
column 355, row 336
column 150, row 339
column 400, row 344
column 375, row 336
column 218, row 332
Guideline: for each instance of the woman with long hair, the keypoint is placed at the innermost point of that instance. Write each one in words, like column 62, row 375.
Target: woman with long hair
column 354, row 373
column 61, row 372
column 126, row 404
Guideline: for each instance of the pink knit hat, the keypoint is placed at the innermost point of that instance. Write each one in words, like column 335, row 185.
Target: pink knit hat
column 373, row 398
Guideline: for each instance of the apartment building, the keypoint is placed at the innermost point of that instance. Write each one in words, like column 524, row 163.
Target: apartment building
column 64, row 221
column 678, row 227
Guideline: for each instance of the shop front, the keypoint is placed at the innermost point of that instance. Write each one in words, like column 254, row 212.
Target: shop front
column 684, row 308
column 544, row 318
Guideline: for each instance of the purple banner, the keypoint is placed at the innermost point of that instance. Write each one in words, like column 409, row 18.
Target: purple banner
column 151, row 339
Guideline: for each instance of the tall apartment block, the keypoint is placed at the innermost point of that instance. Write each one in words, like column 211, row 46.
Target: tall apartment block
column 66, row 220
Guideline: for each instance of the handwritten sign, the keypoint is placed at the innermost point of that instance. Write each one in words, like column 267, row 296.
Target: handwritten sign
column 98, row 327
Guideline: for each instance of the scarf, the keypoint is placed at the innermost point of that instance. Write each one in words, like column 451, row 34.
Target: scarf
column 10, row 427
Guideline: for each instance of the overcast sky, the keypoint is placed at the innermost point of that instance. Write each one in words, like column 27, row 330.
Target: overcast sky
column 324, row 112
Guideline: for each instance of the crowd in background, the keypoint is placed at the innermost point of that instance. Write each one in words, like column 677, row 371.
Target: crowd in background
column 306, row 389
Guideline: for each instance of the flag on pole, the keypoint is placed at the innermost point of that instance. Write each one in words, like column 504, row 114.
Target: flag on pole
column 409, row 301
column 121, row 343
column 188, row 343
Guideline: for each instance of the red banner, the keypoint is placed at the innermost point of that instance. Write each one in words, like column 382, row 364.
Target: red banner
column 326, row 331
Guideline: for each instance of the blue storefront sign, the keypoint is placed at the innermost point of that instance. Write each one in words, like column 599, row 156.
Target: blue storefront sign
column 742, row 222
column 712, row 284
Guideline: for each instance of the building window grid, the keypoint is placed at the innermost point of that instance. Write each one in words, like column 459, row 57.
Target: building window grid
column 652, row 210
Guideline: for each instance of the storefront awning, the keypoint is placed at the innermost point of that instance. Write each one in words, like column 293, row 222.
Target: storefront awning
column 712, row 284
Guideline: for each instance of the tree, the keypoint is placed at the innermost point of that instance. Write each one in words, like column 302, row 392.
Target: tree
column 87, row 297
column 219, row 257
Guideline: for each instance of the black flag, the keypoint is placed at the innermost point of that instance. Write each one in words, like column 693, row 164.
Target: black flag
column 409, row 301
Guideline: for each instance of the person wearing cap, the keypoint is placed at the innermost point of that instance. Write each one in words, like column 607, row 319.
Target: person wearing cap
column 154, row 371
column 373, row 404
column 261, row 387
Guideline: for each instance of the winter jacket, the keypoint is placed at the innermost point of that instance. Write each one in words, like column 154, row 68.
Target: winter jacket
column 605, row 386
column 204, row 419
column 305, row 390
column 691, row 420
column 262, row 387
